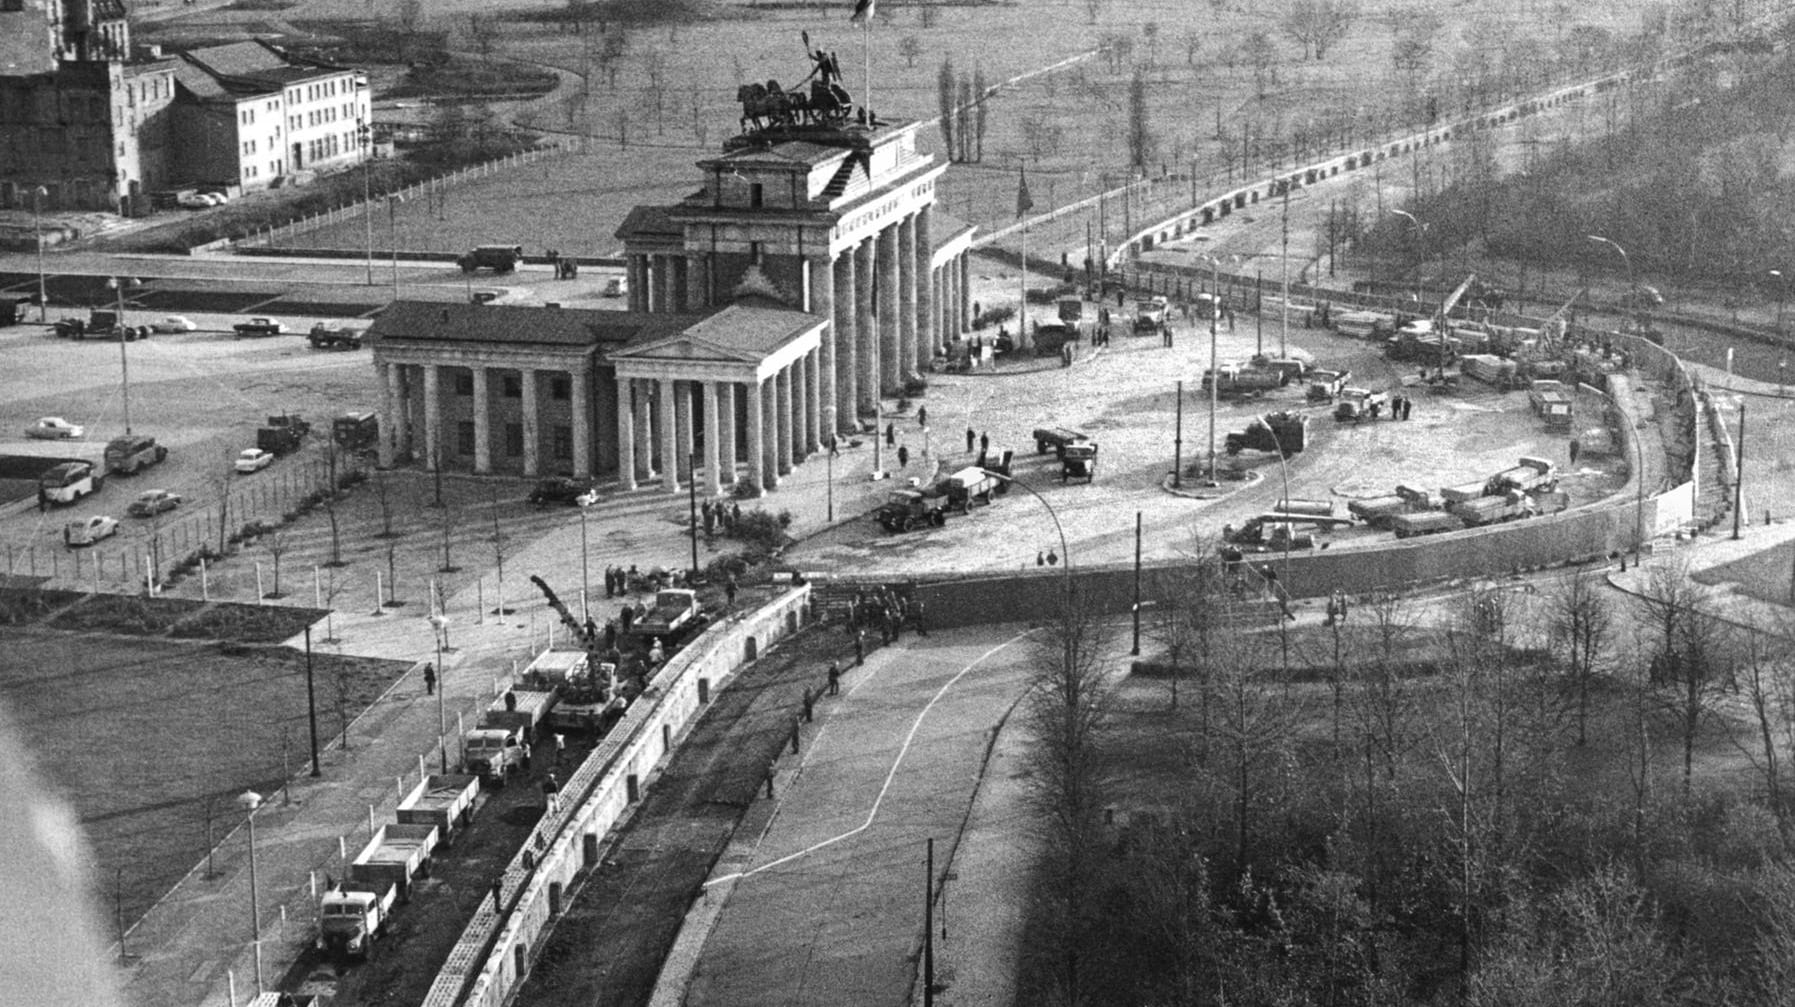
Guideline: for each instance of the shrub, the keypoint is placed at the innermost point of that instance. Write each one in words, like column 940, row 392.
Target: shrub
column 994, row 316
column 916, row 388
column 745, row 490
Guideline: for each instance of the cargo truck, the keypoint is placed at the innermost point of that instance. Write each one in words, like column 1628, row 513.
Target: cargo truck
column 1424, row 523
column 283, row 435
column 1493, row 509
column 521, row 710
column 446, row 802
column 676, row 613
column 913, row 508
column 492, row 753
column 1533, row 475
column 1551, row 403
column 1378, row 511
column 972, row 484
column 396, row 855
column 352, row 916
column 1235, row 381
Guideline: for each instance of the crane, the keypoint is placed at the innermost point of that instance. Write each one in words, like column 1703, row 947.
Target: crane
column 589, row 636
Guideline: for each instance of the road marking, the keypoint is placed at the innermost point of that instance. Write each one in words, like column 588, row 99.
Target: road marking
column 890, row 774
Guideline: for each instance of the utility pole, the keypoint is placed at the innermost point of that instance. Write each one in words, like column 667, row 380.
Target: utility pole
column 1135, row 651
column 1739, row 475
column 1178, row 439
column 928, row 927
column 1284, row 261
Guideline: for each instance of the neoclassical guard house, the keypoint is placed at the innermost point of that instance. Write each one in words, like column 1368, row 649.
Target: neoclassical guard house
column 808, row 278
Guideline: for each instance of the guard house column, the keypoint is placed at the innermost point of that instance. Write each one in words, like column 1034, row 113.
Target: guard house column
column 726, row 430
column 403, row 390
column 847, row 341
column 644, row 429
column 769, row 434
column 866, row 343
column 662, row 298
column 713, row 459
column 681, row 279
column 632, row 277
column 813, row 406
column 890, row 380
column 927, row 337
column 433, row 416
column 668, row 435
column 389, row 420
column 626, row 433
column 580, row 388
column 697, row 291
column 527, row 377
column 950, row 318
column 757, row 449
column 906, row 289
column 482, row 421
column 782, row 420
column 963, row 300
column 822, row 302
column 682, row 425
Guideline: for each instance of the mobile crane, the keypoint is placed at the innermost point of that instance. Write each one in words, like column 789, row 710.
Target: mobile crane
column 591, row 638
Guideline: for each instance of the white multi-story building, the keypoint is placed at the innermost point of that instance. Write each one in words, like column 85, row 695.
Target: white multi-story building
column 254, row 116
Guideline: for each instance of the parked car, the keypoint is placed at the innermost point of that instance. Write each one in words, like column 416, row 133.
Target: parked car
column 617, row 286
column 173, row 323
column 87, row 531
column 194, row 201
column 253, row 460
column 55, row 428
column 560, row 490
column 260, row 326
column 218, row 198
column 153, row 502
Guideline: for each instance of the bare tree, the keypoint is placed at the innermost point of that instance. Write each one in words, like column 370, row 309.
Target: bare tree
column 981, row 110
column 945, row 103
column 963, row 115
column 1193, row 44
column 500, row 542
column 445, row 524
column 222, row 479
column 1686, row 650
column 1140, row 135
column 910, row 47
column 1262, row 57
column 276, row 543
column 1580, row 621
column 386, row 501
column 332, row 490
column 1767, row 678
column 1317, row 25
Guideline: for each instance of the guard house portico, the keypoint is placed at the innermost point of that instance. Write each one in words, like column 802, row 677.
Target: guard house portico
column 808, row 277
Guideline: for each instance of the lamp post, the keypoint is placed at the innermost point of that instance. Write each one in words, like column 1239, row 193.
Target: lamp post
column 364, row 134
column 37, row 227
column 1065, row 553
column 1782, row 289
column 249, row 801
column 119, row 285
column 834, row 443
column 439, row 626
column 1421, row 239
column 1632, row 286
column 392, row 232
column 585, row 500
column 1215, row 310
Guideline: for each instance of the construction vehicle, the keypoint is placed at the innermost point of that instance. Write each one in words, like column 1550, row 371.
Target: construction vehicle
column 1079, row 461
column 1498, row 372
column 1361, row 404
column 1450, row 495
column 1419, row 499
column 1149, row 314
column 283, row 434
column 1056, row 438
column 1325, row 386
column 1550, row 402
column 498, row 258
column 1508, row 507
column 972, row 485
column 397, row 855
column 1071, row 311
column 1424, row 523
column 520, row 710
column 132, row 453
column 1282, row 433
column 1310, row 508
column 998, row 462
column 1364, row 324
column 600, row 681
column 913, row 508
column 1419, row 341
column 1533, row 475
column 1237, row 381
column 102, row 323
column 1378, row 511
column 585, row 701
column 353, row 915
column 492, row 753
column 443, row 801
column 331, row 337
column 1294, row 367
column 69, row 482
column 676, row 614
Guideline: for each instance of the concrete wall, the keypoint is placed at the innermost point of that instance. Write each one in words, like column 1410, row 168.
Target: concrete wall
column 494, row 953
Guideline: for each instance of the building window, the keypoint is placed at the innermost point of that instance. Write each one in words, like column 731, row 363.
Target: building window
column 514, row 386
column 560, row 389
column 756, row 194
column 564, row 443
column 464, row 384
column 514, row 439
column 464, row 437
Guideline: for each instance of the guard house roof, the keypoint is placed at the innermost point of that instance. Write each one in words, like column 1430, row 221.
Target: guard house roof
column 747, row 331
column 433, row 322
column 649, row 222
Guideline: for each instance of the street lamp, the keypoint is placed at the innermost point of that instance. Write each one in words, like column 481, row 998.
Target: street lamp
column 364, row 135
column 38, row 195
column 1065, row 553
column 439, row 624
column 1421, row 238
column 249, row 801
column 1782, row 289
column 1215, row 310
column 585, row 500
column 119, row 284
column 1632, row 286
column 392, row 233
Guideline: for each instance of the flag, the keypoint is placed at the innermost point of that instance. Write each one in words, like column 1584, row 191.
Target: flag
column 863, row 12
column 1023, row 202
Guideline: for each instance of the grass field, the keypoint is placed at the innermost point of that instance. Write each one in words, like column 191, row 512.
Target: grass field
column 149, row 737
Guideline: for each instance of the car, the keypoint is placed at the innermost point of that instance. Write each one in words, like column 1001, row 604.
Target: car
column 219, row 198
column 55, row 428
column 260, row 326
column 194, row 201
column 152, row 502
column 561, row 490
column 87, row 531
column 253, row 460
column 617, row 286
column 173, row 323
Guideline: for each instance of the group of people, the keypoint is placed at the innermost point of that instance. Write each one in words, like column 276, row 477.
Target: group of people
column 565, row 269
column 721, row 514
column 884, row 609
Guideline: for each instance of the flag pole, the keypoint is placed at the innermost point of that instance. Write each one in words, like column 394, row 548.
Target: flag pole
column 1022, row 310
column 866, row 64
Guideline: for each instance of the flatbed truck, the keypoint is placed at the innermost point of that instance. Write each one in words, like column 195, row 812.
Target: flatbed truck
column 445, row 801
column 396, row 855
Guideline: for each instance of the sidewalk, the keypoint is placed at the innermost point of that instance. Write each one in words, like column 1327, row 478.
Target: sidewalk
column 1717, row 549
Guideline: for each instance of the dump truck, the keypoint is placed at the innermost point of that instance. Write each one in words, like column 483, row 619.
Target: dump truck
column 676, row 612
column 1237, row 381
column 283, row 434
column 444, row 801
column 912, row 508
column 1361, row 404
column 397, row 855
column 1056, row 438
column 1550, row 402
column 1325, row 386
column 353, row 915
column 492, row 753
column 971, row 485
column 1282, row 433
column 522, row 710
column 1424, row 523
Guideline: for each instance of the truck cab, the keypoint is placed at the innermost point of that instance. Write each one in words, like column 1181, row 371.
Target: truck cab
column 351, row 916
column 493, row 753
column 907, row 509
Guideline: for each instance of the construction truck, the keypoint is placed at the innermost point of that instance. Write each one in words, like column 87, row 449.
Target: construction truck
column 1325, row 386
column 1361, row 404
column 493, row 753
column 1497, row 372
column 1295, row 367
column 1550, row 402
column 1056, row 438
column 1424, row 523
column 1078, row 462
column 397, row 855
column 1149, row 314
column 353, row 915
column 283, row 434
column 1238, row 381
column 1378, row 511
column 443, row 801
column 1533, row 475
column 1282, row 433
column 1509, row 506
column 676, row 614
column 1364, row 324
column 585, row 697
column 521, row 710
column 913, row 508
column 971, row 485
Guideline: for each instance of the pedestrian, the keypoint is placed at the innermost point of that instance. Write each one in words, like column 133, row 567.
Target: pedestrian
column 834, row 678
column 656, row 655
column 1119, row 293
column 985, row 442
column 834, row 446
column 710, row 518
column 43, row 500
column 971, row 438
column 922, row 416
column 735, row 515
column 430, row 671
column 524, row 750
column 1333, row 612
column 611, row 634
column 890, row 435
column 627, row 616
column 1408, row 406
column 1576, row 447
column 772, row 768
column 498, row 890
column 510, row 701
column 903, row 455
column 551, row 792
column 809, row 705
column 916, row 616
column 859, row 647
column 560, row 748
column 729, row 589
column 610, row 582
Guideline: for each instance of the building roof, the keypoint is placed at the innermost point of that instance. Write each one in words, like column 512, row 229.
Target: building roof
column 201, row 84
column 790, row 152
column 520, row 325
column 253, row 66
column 945, row 227
column 649, row 221
column 746, row 332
